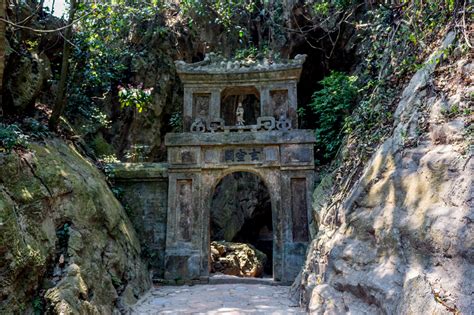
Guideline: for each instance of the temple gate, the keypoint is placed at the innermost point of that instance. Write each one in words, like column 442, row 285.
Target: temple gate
column 238, row 116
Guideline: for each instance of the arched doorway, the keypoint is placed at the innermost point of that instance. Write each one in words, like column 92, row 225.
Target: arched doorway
column 241, row 226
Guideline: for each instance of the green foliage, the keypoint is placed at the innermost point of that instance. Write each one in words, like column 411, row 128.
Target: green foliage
column 225, row 12
column 38, row 305
column 105, row 46
column 396, row 49
column 135, row 96
column 36, row 129
column 31, row 45
column 114, row 37
column 246, row 53
column 332, row 104
column 176, row 121
column 116, row 281
column 11, row 136
column 101, row 147
column 394, row 42
column 324, row 7
column 253, row 53
column 455, row 111
column 118, row 193
column 63, row 238
column 233, row 17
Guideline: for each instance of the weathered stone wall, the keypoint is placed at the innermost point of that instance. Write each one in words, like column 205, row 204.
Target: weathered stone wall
column 143, row 190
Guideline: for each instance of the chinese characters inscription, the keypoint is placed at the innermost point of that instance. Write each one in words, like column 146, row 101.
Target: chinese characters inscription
column 242, row 155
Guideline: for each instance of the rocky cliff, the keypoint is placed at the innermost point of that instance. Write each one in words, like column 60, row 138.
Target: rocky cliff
column 401, row 241
column 66, row 244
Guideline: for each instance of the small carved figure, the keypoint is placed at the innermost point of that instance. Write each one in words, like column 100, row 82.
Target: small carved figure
column 239, row 113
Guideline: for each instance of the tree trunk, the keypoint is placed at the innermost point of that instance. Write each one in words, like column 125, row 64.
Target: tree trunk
column 60, row 102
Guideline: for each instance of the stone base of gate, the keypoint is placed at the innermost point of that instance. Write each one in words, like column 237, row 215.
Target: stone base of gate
column 183, row 267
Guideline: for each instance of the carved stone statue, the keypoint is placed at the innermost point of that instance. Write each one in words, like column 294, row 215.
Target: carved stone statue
column 239, row 113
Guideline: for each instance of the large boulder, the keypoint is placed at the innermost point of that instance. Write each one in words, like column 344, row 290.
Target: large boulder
column 66, row 244
column 237, row 259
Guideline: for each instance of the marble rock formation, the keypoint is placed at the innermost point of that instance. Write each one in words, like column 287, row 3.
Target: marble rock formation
column 237, row 259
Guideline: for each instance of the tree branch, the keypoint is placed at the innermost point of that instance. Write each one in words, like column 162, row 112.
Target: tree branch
column 43, row 31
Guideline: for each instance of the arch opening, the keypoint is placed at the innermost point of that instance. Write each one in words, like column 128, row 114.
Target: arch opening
column 241, row 227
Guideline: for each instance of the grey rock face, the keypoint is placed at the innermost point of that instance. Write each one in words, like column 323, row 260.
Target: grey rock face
column 404, row 242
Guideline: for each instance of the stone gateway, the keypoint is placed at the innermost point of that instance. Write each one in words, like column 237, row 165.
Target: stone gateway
column 237, row 117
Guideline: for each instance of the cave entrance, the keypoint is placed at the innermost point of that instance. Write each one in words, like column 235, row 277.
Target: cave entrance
column 241, row 227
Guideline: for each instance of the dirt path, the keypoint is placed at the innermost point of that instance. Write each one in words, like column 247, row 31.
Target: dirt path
column 217, row 299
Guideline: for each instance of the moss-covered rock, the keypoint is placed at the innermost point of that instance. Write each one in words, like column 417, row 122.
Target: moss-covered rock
column 101, row 147
column 65, row 241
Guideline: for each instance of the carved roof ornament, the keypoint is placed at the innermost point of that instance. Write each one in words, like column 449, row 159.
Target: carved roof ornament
column 216, row 64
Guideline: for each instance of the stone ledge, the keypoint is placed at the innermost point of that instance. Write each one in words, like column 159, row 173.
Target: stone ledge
column 226, row 279
column 139, row 171
column 221, row 79
column 297, row 136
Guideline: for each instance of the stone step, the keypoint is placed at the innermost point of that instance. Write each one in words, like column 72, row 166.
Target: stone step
column 221, row 279
column 226, row 279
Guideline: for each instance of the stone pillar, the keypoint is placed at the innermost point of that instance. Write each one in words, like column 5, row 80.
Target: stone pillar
column 265, row 102
column 298, row 185
column 183, row 235
column 187, row 108
column 215, row 106
column 273, row 182
column 293, row 104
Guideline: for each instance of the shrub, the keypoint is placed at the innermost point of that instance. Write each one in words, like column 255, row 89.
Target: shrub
column 332, row 104
column 11, row 136
column 135, row 96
